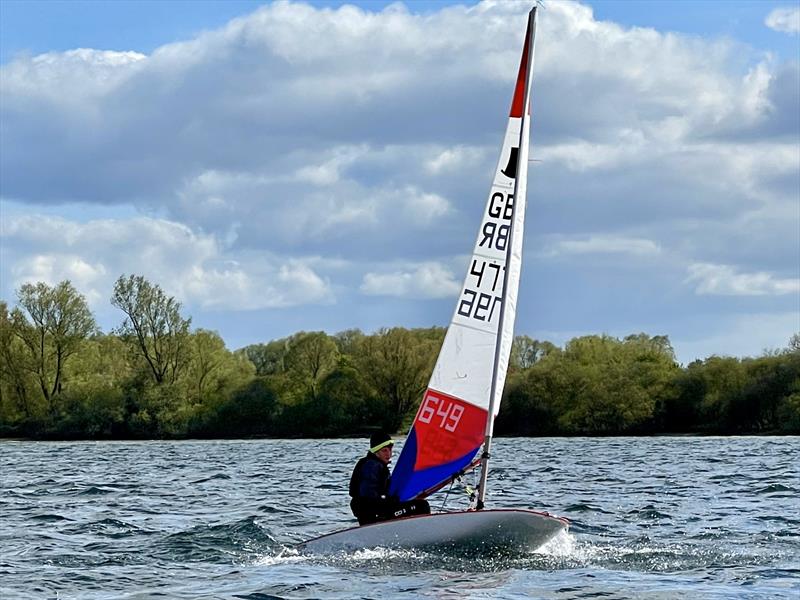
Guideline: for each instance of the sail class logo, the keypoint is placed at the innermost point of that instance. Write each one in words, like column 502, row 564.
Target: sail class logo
column 511, row 168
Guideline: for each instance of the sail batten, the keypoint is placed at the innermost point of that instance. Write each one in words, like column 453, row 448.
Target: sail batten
column 456, row 415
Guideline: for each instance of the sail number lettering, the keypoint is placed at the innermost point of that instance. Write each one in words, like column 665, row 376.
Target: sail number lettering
column 501, row 205
column 447, row 412
column 482, row 294
column 478, row 270
column 495, row 235
column 478, row 306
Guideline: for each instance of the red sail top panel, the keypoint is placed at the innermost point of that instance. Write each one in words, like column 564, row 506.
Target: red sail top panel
column 519, row 91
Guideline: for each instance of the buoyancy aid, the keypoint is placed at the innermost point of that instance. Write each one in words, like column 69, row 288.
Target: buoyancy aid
column 370, row 478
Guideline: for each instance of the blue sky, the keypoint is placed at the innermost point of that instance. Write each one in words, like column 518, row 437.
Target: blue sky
column 311, row 166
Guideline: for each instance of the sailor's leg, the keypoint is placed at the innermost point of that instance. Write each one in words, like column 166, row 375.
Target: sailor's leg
column 366, row 512
column 411, row 507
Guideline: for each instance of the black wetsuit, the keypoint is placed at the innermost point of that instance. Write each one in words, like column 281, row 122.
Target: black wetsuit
column 369, row 489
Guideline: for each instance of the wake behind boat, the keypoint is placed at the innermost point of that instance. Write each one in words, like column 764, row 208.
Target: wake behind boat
column 455, row 419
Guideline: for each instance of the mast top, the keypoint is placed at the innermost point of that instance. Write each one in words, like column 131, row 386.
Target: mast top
column 522, row 75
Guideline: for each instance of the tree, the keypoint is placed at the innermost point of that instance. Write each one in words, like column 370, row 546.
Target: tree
column 51, row 322
column 525, row 352
column 348, row 340
column 212, row 367
column 398, row 365
column 311, row 356
column 154, row 321
column 14, row 395
column 794, row 343
column 208, row 353
column 267, row 358
column 613, row 386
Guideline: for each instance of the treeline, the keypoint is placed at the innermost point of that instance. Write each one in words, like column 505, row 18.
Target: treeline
column 156, row 377
column 600, row 385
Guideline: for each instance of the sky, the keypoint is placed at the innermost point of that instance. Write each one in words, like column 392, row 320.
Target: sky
column 284, row 167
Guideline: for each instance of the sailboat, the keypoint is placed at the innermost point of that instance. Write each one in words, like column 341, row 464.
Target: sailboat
column 453, row 428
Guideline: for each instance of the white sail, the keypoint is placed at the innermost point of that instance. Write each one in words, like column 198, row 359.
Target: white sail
column 457, row 411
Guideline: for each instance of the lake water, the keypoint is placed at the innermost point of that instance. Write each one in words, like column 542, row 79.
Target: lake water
column 650, row 518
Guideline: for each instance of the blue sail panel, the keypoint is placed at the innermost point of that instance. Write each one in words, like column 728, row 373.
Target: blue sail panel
column 408, row 483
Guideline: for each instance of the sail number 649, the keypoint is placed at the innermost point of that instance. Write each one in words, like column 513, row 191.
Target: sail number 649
column 449, row 413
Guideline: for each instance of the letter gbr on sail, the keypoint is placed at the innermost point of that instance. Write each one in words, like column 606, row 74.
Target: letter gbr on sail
column 453, row 419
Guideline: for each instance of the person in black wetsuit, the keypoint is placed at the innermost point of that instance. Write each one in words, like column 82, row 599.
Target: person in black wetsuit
column 369, row 486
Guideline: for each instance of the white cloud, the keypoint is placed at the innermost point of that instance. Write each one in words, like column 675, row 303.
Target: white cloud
column 66, row 77
column 54, row 268
column 191, row 266
column 784, row 19
column 254, row 286
column 275, row 212
column 424, row 208
column 427, row 280
column 454, row 159
column 582, row 156
column 329, row 171
column 724, row 280
column 602, row 244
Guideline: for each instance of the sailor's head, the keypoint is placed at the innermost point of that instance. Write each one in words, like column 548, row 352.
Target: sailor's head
column 380, row 444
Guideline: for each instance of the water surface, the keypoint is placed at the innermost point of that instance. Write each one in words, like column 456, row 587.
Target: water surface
column 650, row 518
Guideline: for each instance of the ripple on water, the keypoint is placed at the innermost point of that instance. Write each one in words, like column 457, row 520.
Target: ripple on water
column 217, row 476
column 48, row 518
column 582, row 507
column 649, row 513
column 93, row 490
column 211, row 542
column 266, row 508
column 777, row 489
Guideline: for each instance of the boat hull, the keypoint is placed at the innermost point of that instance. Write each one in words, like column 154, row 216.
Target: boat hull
column 474, row 532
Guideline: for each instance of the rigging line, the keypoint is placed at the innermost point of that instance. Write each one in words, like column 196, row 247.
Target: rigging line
column 447, row 495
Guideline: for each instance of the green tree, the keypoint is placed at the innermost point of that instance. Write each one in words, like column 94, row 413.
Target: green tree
column 94, row 405
column 347, row 341
column 268, row 358
column 212, row 368
column 530, row 399
column 724, row 380
column 794, row 343
column 310, row 357
column 15, row 395
column 614, row 386
column 526, row 352
column 347, row 402
column 680, row 412
column 398, row 365
column 154, row 322
column 52, row 323
column 249, row 410
column 207, row 355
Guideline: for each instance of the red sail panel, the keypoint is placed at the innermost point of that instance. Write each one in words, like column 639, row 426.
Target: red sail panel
column 447, row 428
column 519, row 91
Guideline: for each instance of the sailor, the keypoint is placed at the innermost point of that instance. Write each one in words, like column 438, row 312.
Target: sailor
column 369, row 486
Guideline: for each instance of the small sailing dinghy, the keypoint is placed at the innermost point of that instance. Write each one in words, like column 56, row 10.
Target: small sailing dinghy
column 455, row 419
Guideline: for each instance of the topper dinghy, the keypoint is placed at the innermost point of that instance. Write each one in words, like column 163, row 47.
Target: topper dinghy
column 456, row 416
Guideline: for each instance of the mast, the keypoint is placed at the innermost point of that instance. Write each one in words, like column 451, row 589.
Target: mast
column 522, row 167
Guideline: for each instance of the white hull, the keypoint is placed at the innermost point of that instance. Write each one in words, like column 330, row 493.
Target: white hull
column 480, row 532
